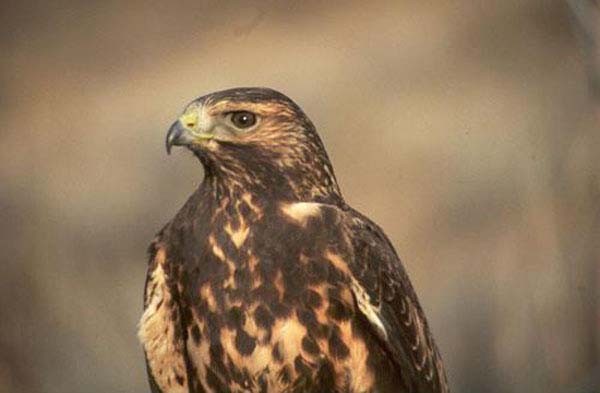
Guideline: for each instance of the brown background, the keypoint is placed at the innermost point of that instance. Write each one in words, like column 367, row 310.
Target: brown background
column 465, row 128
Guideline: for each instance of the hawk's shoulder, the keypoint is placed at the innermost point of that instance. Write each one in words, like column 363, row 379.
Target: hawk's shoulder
column 382, row 290
column 391, row 305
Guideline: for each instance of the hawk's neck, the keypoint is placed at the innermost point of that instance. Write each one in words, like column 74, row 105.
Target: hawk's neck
column 268, row 186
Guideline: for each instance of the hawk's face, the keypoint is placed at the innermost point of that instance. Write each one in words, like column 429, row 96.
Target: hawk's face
column 256, row 137
column 242, row 117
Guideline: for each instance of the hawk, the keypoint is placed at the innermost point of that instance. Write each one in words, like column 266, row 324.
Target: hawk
column 266, row 280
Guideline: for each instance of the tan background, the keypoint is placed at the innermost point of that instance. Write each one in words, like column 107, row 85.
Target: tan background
column 465, row 128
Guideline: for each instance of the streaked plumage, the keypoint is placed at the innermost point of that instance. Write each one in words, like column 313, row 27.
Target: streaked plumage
column 266, row 280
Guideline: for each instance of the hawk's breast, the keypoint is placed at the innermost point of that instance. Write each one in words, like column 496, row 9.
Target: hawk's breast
column 270, row 308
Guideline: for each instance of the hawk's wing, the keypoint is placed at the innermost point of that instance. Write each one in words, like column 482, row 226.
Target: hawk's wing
column 151, row 266
column 387, row 299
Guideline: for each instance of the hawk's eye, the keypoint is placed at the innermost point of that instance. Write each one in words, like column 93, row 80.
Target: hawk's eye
column 243, row 119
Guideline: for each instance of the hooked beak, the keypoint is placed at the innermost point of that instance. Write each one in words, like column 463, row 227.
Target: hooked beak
column 178, row 135
column 187, row 132
column 181, row 135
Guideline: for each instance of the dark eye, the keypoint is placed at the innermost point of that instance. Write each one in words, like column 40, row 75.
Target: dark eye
column 243, row 119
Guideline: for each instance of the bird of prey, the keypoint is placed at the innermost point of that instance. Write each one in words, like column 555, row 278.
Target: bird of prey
column 266, row 280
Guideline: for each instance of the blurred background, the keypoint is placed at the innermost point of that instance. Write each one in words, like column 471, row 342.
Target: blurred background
column 470, row 130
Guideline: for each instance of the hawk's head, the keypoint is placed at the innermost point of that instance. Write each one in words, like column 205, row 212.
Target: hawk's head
column 257, row 138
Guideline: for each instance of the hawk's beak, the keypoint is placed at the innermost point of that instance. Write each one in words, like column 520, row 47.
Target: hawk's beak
column 187, row 132
column 178, row 135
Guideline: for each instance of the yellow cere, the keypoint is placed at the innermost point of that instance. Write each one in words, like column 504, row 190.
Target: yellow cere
column 189, row 120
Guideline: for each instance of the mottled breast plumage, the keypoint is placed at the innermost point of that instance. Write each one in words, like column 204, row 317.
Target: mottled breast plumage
column 265, row 316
